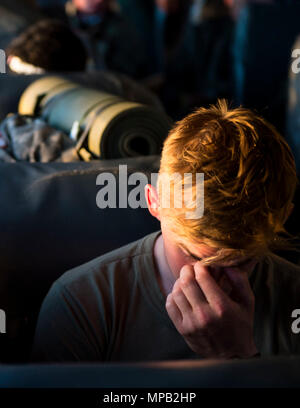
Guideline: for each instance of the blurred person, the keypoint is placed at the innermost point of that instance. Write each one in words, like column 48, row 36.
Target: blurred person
column 205, row 286
column 140, row 14
column 174, row 53
column 214, row 27
column 47, row 46
column 261, row 62
column 171, row 25
column 237, row 5
column 52, row 8
column 111, row 41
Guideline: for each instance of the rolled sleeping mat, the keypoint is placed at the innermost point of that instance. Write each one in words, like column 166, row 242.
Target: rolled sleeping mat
column 39, row 91
column 111, row 126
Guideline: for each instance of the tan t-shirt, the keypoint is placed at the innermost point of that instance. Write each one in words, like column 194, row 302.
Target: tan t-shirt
column 112, row 309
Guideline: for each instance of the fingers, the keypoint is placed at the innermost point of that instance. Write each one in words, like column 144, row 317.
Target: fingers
column 190, row 287
column 215, row 296
column 180, row 298
column 173, row 310
column 186, row 295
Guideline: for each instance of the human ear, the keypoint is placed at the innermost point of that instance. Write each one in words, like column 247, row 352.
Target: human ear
column 152, row 200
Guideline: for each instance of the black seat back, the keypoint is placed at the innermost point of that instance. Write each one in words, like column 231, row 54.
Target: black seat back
column 49, row 223
column 264, row 36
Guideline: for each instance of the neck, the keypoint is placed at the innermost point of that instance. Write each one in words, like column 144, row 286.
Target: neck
column 165, row 277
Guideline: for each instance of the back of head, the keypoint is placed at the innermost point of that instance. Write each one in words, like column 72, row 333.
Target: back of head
column 49, row 45
column 249, row 180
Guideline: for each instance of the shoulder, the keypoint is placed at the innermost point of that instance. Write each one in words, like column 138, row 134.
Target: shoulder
column 283, row 277
column 278, row 279
column 108, row 267
column 284, row 270
column 286, row 291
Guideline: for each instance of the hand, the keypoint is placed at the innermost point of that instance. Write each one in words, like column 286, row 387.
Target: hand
column 214, row 324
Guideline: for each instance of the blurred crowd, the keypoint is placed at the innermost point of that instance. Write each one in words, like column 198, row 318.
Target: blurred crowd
column 189, row 52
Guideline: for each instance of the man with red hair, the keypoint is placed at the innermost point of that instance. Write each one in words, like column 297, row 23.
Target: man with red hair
column 209, row 286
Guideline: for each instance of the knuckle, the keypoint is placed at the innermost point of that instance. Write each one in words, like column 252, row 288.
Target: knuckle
column 175, row 286
column 184, row 331
column 186, row 281
column 200, row 271
column 185, row 270
column 198, row 311
column 221, row 309
column 190, row 326
column 169, row 301
column 203, row 318
column 188, row 330
column 176, row 291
